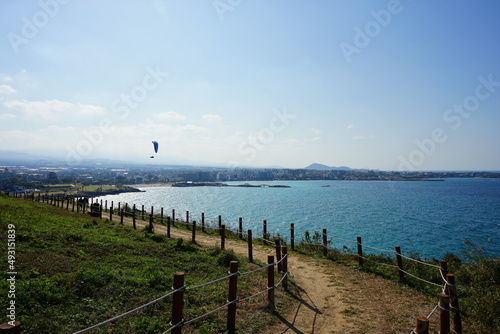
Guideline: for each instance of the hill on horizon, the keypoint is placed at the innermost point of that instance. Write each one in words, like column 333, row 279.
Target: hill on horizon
column 316, row 166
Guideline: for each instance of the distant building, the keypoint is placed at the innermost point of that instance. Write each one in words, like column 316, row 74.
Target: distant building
column 7, row 179
column 52, row 178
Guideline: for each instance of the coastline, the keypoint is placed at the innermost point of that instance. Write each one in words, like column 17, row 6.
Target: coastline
column 151, row 185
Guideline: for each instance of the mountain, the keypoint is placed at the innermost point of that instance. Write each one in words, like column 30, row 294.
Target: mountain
column 16, row 156
column 316, row 166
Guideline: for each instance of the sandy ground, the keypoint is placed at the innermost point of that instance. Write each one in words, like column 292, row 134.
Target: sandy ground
column 333, row 298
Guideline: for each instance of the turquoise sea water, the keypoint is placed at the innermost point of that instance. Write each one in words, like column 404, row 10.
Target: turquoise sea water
column 429, row 218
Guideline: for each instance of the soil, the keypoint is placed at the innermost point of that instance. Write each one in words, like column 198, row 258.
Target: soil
column 333, row 298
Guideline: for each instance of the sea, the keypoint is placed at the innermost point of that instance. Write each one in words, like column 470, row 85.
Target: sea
column 428, row 218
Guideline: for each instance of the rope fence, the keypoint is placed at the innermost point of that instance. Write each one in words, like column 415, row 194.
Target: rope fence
column 316, row 240
column 271, row 286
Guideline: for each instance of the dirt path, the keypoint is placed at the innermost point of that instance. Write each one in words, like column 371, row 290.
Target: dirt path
column 332, row 298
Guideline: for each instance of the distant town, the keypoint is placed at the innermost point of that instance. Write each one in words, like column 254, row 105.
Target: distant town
column 41, row 176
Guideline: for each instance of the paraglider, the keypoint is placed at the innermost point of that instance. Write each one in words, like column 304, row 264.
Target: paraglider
column 155, row 146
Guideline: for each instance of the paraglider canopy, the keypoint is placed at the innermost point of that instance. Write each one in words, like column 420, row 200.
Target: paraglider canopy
column 155, row 146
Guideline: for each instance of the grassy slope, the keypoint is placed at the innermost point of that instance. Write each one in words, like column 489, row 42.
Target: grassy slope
column 76, row 272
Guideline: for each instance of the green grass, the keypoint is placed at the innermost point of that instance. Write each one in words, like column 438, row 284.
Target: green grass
column 75, row 271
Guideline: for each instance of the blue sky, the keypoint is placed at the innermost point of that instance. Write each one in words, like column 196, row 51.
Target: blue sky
column 391, row 85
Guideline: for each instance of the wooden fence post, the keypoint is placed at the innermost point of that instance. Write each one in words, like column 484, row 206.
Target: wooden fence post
column 173, row 217
column 5, row 328
column 187, row 219
column 444, row 314
column 121, row 216
column 264, row 231
column 223, row 237
column 277, row 245
column 193, row 236
column 443, row 269
column 73, row 205
column 399, row 260
column 133, row 217
column 233, row 289
column 452, row 292
column 270, row 281
column 292, row 236
column 360, row 252
column 178, row 303
column 220, row 223
column 168, row 227
column 161, row 216
column 111, row 213
column 240, row 228
column 106, row 205
column 203, row 221
column 422, row 325
column 142, row 212
column 151, row 217
column 325, row 244
column 250, row 246
column 284, row 251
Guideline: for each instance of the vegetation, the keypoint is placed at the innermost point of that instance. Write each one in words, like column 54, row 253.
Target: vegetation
column 477, row 276
column 75, row 272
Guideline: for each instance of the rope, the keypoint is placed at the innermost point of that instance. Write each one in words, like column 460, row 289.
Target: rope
column 131, row 311
column 421, row 279
column 258, row 269
column 432, row 312
column 180, row 323
column 257, row 294
column 378, row 249
column 354, row 242
column 421, row 262
column 282, row 278
column 384, row 264
column 211, row 282
column 208, row 313
column 444, row 279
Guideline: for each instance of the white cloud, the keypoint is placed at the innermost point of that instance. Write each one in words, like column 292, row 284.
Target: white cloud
column 350, row 126
column 52, row 109
column 6, row 89
column 90, row 110
column 5, row 78
column 4, row 117
column 169, row 116
column 310, row 140
column 290, row 141
column 316, row 131
column 49, row 109
column 211, row 118
column 363, row 137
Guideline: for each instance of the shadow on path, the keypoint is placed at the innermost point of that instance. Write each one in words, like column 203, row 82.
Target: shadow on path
column 301, row 303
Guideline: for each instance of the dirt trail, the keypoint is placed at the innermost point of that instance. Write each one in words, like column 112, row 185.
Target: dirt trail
column 332, row 298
